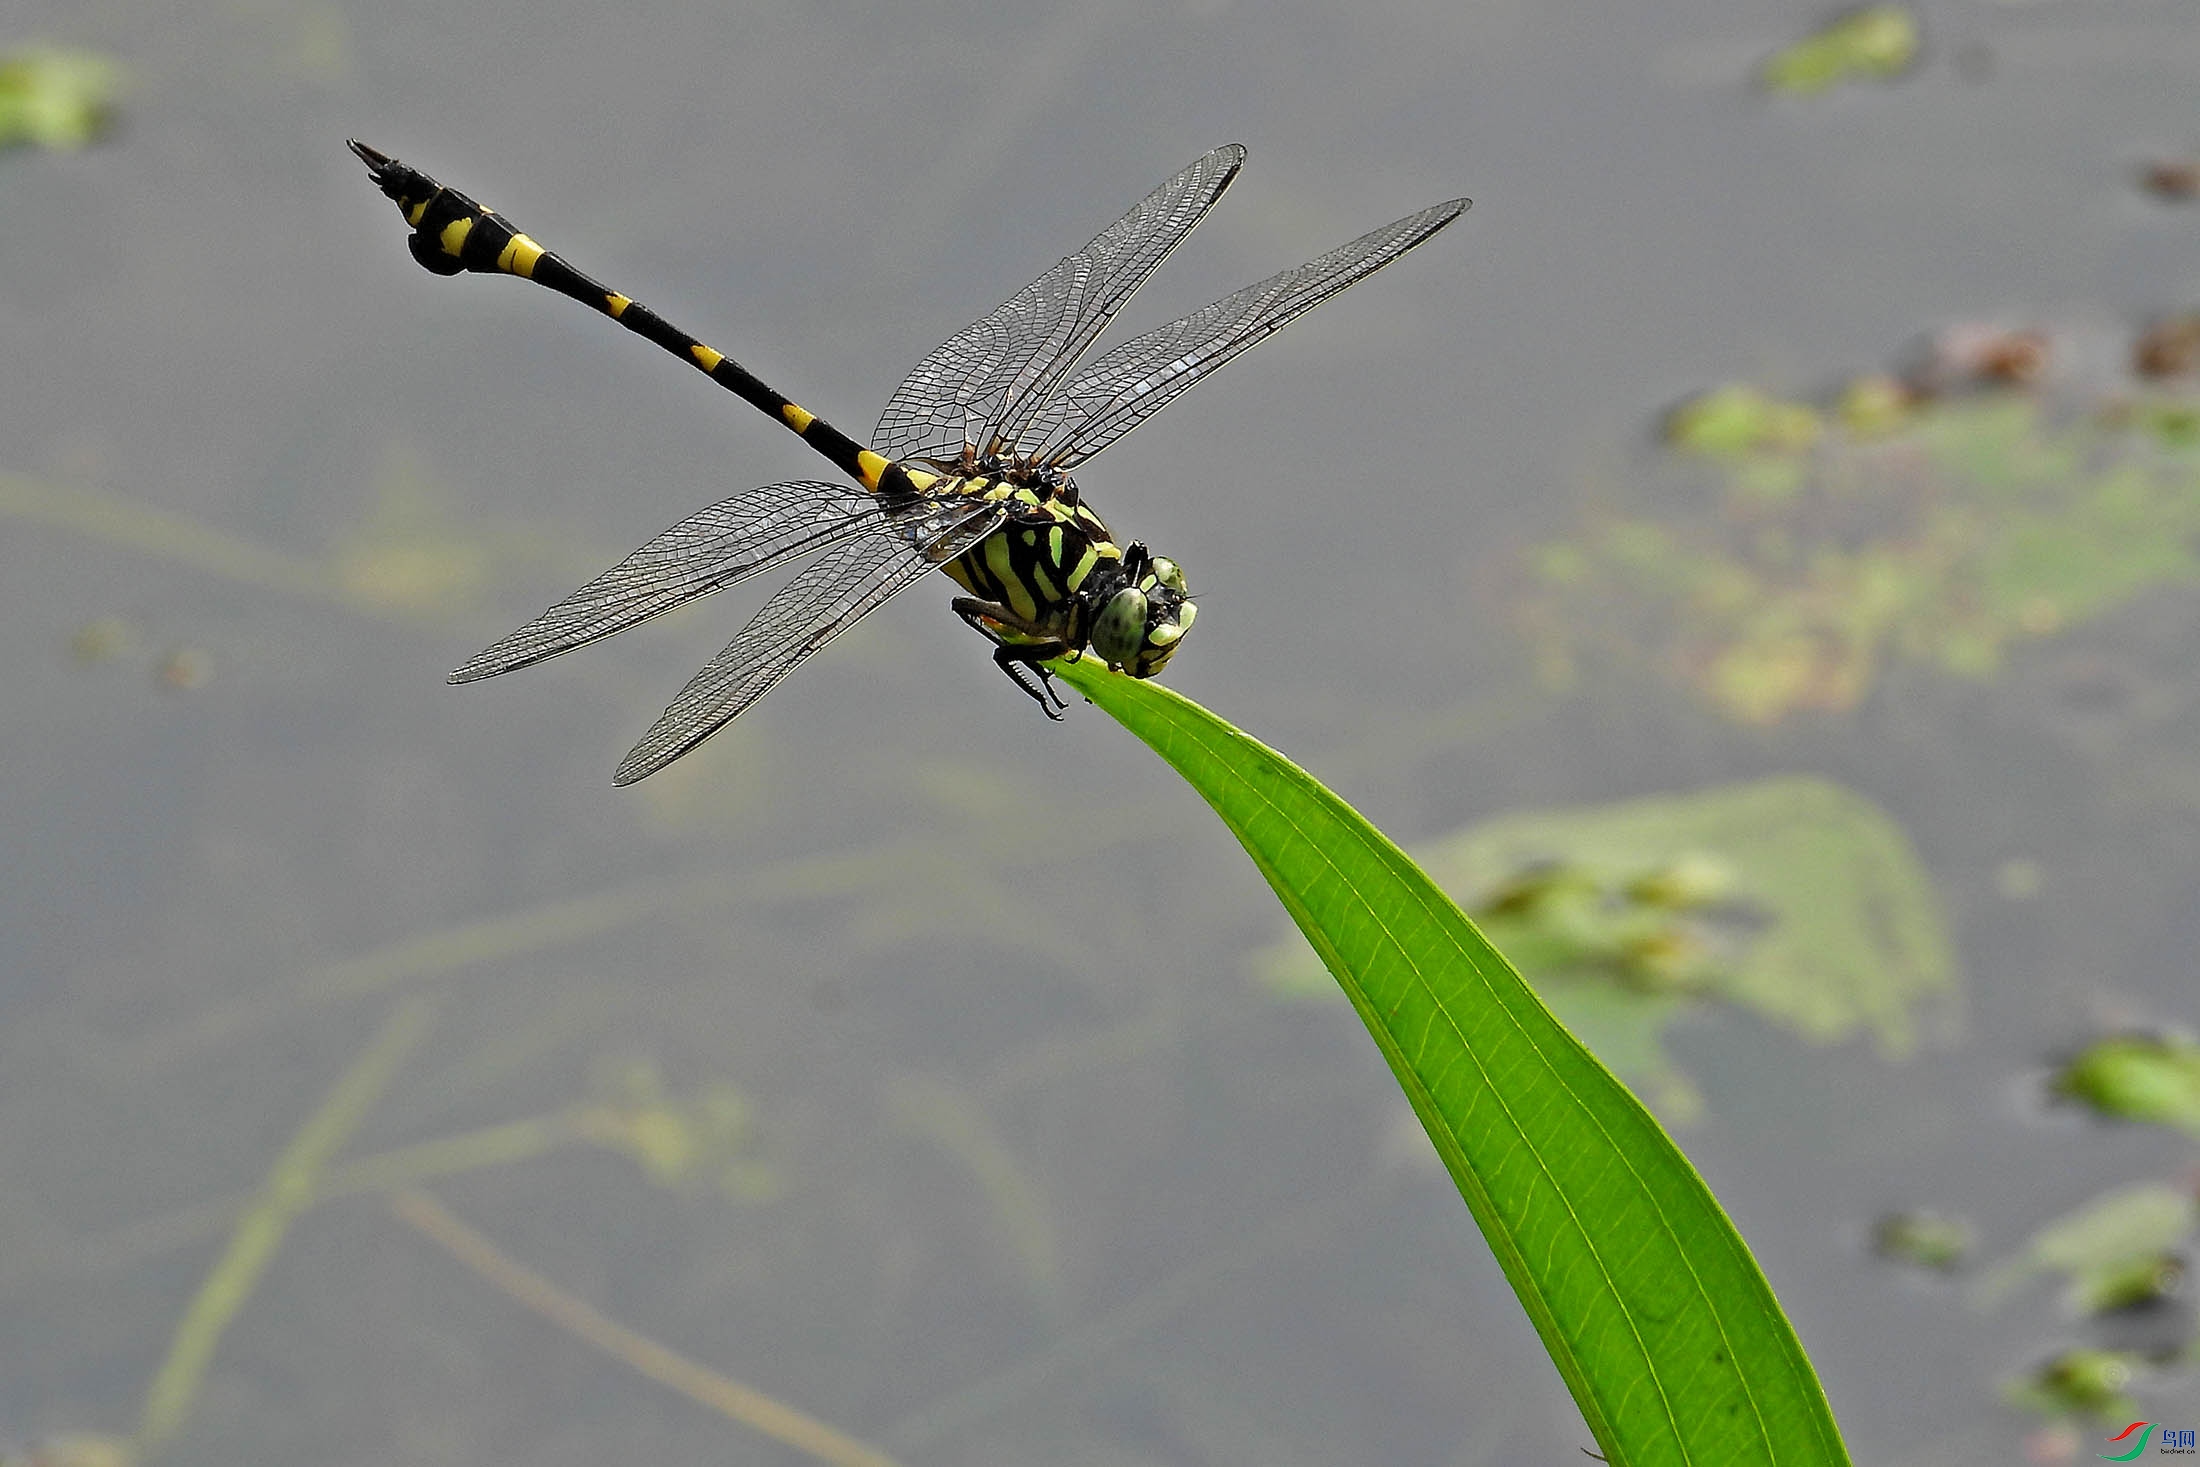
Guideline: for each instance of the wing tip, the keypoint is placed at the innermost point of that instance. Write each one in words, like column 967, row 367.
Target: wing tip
column 1434, row 219
column 665, row 743
column 1439, row 215
column 641, row 762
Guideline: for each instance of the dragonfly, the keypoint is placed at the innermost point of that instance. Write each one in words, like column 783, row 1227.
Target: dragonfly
column 969, row 471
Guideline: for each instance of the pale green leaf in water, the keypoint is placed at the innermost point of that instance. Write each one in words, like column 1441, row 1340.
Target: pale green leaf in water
column 2137, row 1077
column 1874, row 43
column 56, row 97
column 1828, row 926
column 1975, row 525
column 1740, row 419
column 1793, row 897
column 678, row 1140
column 1875, row 404
column 2133, row 1283
column 2082, row 1382
column 2174, row 421
column 1925, row 1239
column 2103, row 1247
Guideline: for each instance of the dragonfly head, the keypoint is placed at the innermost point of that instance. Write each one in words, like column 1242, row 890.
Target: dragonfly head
column 1141, row 620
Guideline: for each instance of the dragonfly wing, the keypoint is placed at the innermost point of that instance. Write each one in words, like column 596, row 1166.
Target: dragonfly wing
column 703, row 553
column 995, row 375
column 832, row 594
column 1130, row 384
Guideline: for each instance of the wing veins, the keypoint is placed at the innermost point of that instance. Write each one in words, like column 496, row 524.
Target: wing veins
column 706, row 552
column 1132, row 382
column 997, row 373
column 831, row 594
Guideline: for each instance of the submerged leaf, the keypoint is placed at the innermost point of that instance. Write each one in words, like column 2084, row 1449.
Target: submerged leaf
column 1925, row 1239
column 56, row 97
column 1874, row 404
column 679, row 1140
column 2137, row 1077
column 1947, row 535
column 2091, row 1383
column 2116, row 1251
column 1874, row 43
column 1792, row 897
column 1738, row 419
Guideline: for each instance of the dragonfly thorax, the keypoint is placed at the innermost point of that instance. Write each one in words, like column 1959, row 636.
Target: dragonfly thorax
column 1051, row 582
column 1054, row 582
column 1000, row 464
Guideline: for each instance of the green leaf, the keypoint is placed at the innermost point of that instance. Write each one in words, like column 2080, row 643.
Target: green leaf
column 1792, row 897
column 1649, row 1302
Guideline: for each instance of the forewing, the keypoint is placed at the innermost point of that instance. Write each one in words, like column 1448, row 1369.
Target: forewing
column 703, row 553
column 1130, row 384
column 832, row 594
column 995, row 375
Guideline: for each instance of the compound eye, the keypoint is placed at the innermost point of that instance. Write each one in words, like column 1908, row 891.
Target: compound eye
column 1119, row 631
column 1169, row 573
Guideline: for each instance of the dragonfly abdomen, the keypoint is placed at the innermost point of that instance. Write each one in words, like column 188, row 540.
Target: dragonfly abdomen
column 453, row 234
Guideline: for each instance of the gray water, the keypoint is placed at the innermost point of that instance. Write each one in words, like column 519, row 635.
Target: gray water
column 1033, row 1170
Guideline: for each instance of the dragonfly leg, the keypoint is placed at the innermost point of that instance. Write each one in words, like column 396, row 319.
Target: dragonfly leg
column 1018, row 666
column 1019, row 659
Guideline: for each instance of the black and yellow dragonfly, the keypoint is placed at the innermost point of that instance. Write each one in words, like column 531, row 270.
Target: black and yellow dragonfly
column 968, row 472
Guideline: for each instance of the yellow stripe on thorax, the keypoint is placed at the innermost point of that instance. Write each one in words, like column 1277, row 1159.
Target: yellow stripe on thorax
column 1039, row 578
column 1088, row 561
column 1000, row 560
